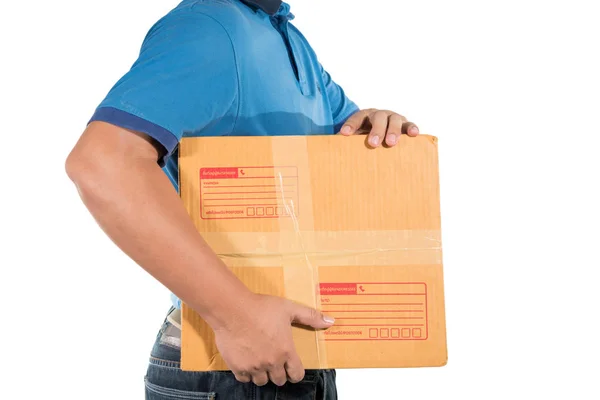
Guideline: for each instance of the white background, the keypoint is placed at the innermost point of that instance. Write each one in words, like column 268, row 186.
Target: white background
column 512, row 90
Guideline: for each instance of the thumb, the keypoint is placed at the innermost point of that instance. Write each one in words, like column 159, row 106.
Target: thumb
column 310, row 317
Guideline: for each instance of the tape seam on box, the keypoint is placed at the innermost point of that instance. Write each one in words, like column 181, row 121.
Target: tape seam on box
column 293, row 226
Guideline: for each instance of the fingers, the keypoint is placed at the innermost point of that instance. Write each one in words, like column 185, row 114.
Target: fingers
column 410, row 129
column 397, row 126
column 384, row 126
column 294, row 368
column 278, row 373
column 355, row 122
column 379, row 123
column 394, row 129
column 278, row 376
column 242, row 376
column 309, row 317
column 260, row 378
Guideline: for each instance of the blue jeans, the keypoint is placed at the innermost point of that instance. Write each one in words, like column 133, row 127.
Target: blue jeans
column 166, row 381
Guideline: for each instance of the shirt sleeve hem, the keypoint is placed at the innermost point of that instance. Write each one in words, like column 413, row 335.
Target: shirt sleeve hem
column 130, row 121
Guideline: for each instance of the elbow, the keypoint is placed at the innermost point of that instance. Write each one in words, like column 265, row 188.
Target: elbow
column 85, row 171
column 73, row 167
column 76, row 168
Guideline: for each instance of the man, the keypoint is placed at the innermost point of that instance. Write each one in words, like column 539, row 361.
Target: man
column 210, row 68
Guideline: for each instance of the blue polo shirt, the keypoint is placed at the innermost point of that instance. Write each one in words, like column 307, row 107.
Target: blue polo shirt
column 225, row 68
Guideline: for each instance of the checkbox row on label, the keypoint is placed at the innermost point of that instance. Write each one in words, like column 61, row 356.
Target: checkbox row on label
column 395, row 333
column 266, row 211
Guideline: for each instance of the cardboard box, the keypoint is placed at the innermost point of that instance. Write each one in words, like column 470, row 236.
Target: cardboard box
column 329, row 223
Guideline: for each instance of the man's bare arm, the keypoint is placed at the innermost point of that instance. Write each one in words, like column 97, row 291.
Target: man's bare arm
column 120, row 182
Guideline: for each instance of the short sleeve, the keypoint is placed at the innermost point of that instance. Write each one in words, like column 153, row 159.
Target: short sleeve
column 184, row 80
column 342, row 107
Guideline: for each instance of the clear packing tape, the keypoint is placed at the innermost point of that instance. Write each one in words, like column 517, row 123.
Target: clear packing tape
column 267, row 248
column 298, row 269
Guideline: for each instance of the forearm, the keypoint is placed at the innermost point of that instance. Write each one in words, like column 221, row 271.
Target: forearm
column 135, row 204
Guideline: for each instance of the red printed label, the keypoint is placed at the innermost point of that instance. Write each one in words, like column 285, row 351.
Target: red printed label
column 337, row 288
column 376, row 311
column 248, row 192
column 218, row 173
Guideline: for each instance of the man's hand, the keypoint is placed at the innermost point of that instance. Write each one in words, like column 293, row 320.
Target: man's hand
column 382, row 126
column 259, row 346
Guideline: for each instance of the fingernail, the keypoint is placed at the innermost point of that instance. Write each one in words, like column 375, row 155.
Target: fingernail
column 346, row 130
column 391, row 139
column 374, row 141
column 328, row 319
column 414, row 130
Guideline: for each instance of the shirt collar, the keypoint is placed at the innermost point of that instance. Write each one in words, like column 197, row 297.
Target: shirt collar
column 269, row 6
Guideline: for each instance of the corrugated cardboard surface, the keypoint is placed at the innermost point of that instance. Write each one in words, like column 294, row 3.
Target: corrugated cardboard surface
column 329, row 223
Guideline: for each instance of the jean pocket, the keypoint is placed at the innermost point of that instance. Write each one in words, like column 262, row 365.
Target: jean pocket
column 155, row 392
